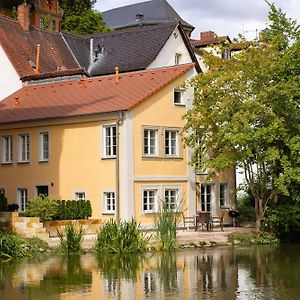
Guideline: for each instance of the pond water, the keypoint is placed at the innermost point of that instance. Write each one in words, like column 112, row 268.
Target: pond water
column 220, row 273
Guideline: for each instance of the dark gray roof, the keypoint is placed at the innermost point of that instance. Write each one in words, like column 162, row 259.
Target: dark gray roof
column 131, row 49
column 153, row 12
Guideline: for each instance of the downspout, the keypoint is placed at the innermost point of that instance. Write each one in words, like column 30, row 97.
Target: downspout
column 118, row 123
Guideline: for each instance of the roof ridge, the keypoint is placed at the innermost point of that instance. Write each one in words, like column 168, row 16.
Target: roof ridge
column 132, row 29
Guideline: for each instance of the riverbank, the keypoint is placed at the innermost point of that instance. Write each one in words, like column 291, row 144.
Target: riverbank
column 186, row 238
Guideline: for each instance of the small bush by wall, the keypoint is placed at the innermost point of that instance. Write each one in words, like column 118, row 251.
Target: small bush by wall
column 73, row 210
column 50, row 210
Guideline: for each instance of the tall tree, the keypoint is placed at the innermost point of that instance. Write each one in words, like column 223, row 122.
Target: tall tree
column 246, row 113
column 80, row 18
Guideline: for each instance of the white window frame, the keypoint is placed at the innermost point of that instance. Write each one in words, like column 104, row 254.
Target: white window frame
column 156, row 139
column 181, row 93
column 44, row 152
column 24, row 148
column 109, row 195
column 110, row 150
column 78, row 195
column 204, row 196
column 7, row 149
column 178, row 199
column 149, row 188
column 168, row 142
column 22, row 198
column 224, row 195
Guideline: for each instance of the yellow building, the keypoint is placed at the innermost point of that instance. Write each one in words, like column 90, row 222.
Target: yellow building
column 115, row 140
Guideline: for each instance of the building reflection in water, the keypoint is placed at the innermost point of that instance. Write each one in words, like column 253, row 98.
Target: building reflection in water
column 222, row 273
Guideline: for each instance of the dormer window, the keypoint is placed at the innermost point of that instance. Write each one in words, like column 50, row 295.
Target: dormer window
column 139, row 17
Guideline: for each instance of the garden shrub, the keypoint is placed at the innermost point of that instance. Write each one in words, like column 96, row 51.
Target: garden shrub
column 42, row 207
column 73, row 210
column 124, row 237
column 284, row 221
column 245, row 206
column 49, row 210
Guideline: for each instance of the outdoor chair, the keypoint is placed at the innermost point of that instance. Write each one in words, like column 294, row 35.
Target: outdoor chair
column 188, row 220
column 204, row 220
column 219, row 220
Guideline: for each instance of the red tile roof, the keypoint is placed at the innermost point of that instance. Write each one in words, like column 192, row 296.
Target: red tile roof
column 86, row 96
column 20, row 47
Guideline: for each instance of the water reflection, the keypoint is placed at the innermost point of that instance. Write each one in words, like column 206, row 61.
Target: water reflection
column 222, row 273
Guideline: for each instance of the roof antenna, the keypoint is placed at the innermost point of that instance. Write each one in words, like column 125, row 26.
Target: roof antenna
column 37, row 64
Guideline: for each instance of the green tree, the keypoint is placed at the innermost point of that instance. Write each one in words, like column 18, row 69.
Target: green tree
column 246, row 113
column 80, row 18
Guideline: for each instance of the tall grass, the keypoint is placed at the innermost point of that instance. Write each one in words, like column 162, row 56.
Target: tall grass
column 14, row 246
column 124, row 237
column 71, row 239
column 165, row 224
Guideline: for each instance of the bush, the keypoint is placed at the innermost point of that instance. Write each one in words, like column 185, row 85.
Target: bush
column 42, row 207
column 14, row 246
column 245, row 206
column 73, row 210
column 284, row 221
column 71, row 240
column 125, row 237
column 49, row 210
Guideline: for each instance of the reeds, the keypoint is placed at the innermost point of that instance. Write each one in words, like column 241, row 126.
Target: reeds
column 124, row 237
column 71, row 239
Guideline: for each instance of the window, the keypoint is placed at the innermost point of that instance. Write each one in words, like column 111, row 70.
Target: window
column 22, row 199
column 110, row 140
column 42, row 190
column 226, row 54
column 80, row 196
column 44, row 146
column 150, row 142
column 42, row 22
column 171, row 196
column 109, row 202
column 178, row 97
column 205, row 197
column 24, row 145
column 224, row 197
column 149, row 200
column 53, row 25
column 171, row 142
column 178, row 57
column 7, row 149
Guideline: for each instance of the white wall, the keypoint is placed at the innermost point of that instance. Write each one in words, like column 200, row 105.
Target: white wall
column 166, row 56
column 9, row 78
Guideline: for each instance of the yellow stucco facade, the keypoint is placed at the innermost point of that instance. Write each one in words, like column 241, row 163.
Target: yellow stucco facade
column 78, row 165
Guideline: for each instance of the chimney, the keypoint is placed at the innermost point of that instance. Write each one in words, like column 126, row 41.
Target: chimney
column 207, row 35
column 23, row 16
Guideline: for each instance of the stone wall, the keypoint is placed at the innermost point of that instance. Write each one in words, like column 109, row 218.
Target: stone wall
column 32, row 227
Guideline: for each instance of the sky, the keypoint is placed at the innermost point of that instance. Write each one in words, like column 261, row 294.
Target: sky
column 224, row 17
